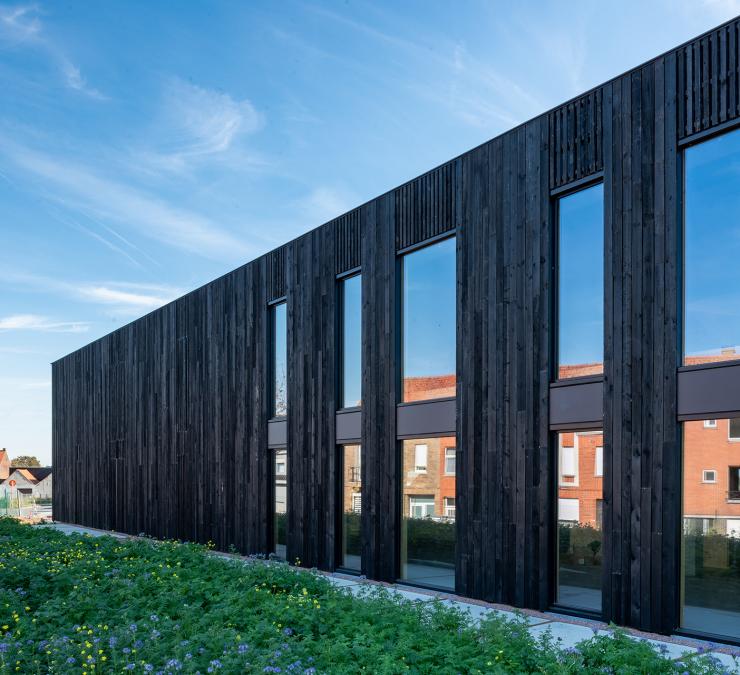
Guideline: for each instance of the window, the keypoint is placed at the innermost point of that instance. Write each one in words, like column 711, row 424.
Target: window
column 450, row 459
column 351, row 349
column 280, row 504
column 711, row 251
column 733, row 429
column 581, row 283
column 428, row 513
column 710, row 572
column 279, row 360
column 420, row 458
column 733, row 483
column 351, row 461
column 579, row 522
column 599, row 469
column 429, row 322
column 710, row 424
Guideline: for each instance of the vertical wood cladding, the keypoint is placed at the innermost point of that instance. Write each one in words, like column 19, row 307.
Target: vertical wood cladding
column 641, row 441
column 504, row 492
column 348, row 242
column 708, row 73
column 161, row 427
column 380, row 452
column 576, row 149
column 427, row 206
column 276, row 286
column 312, row 458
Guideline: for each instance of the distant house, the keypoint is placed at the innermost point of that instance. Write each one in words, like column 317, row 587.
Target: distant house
column 4, row 464
column 33, row 480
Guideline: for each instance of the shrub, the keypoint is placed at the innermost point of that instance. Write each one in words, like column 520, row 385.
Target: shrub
column 79, row 604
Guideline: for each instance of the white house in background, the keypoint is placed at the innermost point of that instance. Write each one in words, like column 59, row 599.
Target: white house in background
column 33, row 481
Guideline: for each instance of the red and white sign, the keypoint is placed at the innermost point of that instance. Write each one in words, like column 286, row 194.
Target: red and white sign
column 11, row 483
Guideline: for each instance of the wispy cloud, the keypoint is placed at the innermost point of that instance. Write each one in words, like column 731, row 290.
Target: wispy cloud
column 82, row 187
column 197, row 124
column 35, row 322
column 21, row 26
column 324, row 203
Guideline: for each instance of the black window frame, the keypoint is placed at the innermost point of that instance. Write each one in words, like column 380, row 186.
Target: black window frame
column 271, row 360
column 340, row 280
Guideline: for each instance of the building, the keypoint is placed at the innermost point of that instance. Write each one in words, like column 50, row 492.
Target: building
column 33, row 481
column 523, row 351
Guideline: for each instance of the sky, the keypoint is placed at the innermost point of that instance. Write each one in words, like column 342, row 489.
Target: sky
column 147, row 148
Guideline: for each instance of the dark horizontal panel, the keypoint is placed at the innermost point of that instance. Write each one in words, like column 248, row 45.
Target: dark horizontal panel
column 349, row 426
column 277, row 433
column 576, row 404
column 428, row 418
column 709, row 391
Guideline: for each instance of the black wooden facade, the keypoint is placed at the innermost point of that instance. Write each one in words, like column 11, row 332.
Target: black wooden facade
column 162, row 426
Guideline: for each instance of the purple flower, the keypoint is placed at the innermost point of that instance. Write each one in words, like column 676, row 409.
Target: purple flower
column 112, row 642
column 138, row 644
column 133, row 628
column 3, row 647
column 71, row 660
column 154, row 617
column 127, row 650
column 287, row 631
column 130, row 666
column 155, row 633
column 243, row 648
column 188, row 656
column 148, row 667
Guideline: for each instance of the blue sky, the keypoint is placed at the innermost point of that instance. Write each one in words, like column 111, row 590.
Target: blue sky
column 146, row 148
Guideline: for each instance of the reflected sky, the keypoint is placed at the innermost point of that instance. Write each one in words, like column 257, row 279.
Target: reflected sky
column 352, row 342
column 581, row 277
column 712, row 255
column 429, row 304
column 280, row 359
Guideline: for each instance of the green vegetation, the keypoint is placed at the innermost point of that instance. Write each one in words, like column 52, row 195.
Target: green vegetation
column 78, row 604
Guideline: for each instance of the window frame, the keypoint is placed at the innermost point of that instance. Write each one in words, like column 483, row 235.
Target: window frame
column 453, row 451
column 272, row 308
column 341, row 349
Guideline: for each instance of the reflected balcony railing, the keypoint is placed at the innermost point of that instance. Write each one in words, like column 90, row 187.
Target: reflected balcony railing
column 733, row 495
column 354, row 474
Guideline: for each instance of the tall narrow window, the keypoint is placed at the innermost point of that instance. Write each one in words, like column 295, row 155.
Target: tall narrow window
column 351, row 290
column 581, row 283
column 279, row 360
column 580, row 495
column 351, row 506
column 712, row 251
column 280, row 510
column 428, row 513
column 711, row 531
column 429, row 322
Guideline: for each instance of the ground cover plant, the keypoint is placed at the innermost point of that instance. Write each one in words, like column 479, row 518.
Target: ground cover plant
column 78, row 604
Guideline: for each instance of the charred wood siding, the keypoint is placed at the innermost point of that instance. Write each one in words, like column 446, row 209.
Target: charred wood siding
column 576, row 149
column 161, row 426
column 708, row 74
column 311, row 299
column 503, row 486
column 427, row 206
column 348, row 242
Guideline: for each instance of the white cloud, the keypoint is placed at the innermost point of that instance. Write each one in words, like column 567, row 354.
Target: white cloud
column 323, row 204
column 132, row 299
column 82, row 187
column 197, row 124
column 21, row 25
column 35, row 322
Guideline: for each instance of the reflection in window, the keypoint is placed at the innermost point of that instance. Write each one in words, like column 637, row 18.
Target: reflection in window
column 580, row 505
column 351, row 342
column 711, row 531
column 280, row 512
column 581, row 283
column 429, row 322
column 712, row 250
column 280, row 360
column 428, row 523
column 351, row 506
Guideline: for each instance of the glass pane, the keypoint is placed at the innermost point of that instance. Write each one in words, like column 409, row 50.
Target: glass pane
column 352, row 506
column 280, row 524
column 711, row 530
column 581, row 284
column 712, row 274
column 428, row 527
column 580, row 495
column 280, row 360
column 429, row 322
column 352, row 342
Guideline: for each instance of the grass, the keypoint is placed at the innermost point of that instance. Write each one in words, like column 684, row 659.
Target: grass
column 77, row 604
